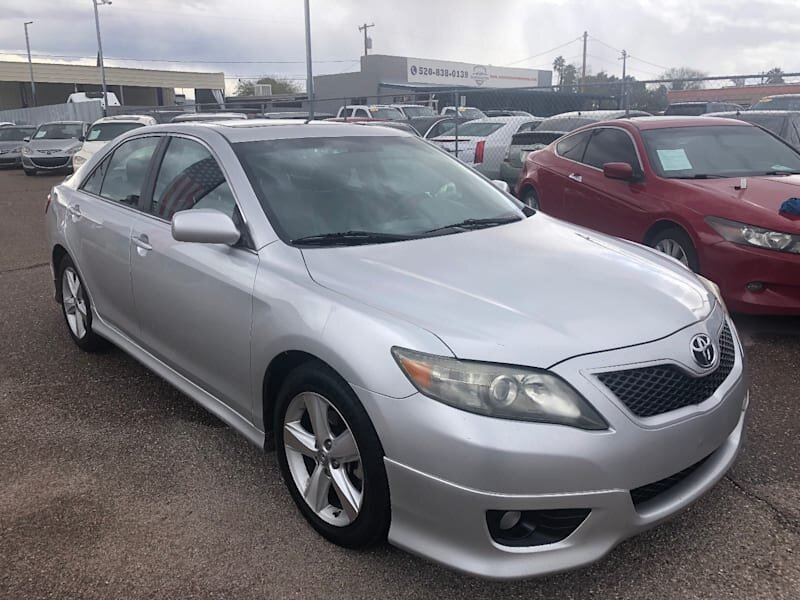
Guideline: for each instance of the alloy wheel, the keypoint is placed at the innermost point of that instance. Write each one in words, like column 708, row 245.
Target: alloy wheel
column 673, row 249
column 323, row 459
column 74, row 302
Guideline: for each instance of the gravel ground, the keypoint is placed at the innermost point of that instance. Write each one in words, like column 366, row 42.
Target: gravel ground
column 113, row 484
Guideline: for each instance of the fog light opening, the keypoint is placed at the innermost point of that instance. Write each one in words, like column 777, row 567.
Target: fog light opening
column 509, row 519
column 755, row 286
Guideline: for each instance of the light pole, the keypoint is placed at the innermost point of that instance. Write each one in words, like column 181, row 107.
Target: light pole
column 30, row 63
column 309, row 71
column 100, row 53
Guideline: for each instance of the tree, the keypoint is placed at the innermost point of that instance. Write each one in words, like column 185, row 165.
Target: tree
column 739, row 81
column 569, row 77
column 676, row 78
column 247, row 87
column 774, row 75
column 558, row 66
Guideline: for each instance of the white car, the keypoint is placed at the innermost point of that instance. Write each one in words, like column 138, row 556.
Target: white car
column 374, row 111
column 484, row 143
column 106, row 129
column 469, row 112
column 415, row 110
column 79, row 97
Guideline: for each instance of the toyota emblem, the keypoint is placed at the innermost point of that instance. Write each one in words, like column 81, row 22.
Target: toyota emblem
column 703, row 350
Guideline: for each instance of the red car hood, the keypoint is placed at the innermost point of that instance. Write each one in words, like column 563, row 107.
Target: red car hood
column 758, row 203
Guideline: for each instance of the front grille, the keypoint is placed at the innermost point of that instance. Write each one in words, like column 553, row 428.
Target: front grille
column 655, row 390
column 50, row 162
column 647, row 492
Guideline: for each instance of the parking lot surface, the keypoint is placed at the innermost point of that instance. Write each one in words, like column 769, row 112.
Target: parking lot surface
column 113, row 484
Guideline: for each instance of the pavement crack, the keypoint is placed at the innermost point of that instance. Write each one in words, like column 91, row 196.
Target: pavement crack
column 782, row 517
column 27, row 268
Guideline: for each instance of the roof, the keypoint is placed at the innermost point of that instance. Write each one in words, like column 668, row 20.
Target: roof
column 16, row 71
column 126, row 119
column 600, row 115
column 645, row 123
column 761, row 113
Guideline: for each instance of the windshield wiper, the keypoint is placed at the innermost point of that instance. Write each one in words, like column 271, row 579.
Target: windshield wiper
column 472, row 224
column 703, row 176
column 350, row 238
column 782, row 172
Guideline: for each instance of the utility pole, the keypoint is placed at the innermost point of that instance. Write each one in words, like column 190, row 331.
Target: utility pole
column 30, row 63
column 309, row 70
column 624, row 83
column 367, row 43
column 100, row 53
column 583, row 63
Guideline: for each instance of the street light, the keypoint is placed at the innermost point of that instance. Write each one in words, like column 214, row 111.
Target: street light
column 309, row 72
column 30, row 63
column 100, row 52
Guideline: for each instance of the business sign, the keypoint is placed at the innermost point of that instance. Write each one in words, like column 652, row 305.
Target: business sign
column 439, row 72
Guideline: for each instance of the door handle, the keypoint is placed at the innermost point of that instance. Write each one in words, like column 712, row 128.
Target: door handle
column 74, row 211
column 576, row 177
column 142, row 241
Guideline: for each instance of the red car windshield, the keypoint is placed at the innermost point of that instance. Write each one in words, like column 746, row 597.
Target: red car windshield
column 718, row 151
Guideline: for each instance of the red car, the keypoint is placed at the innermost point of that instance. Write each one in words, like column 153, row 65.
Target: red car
column 713, row 193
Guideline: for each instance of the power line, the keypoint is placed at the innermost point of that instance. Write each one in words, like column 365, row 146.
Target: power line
column 649, row 63
column 652, row 64
column 545, row 52
column 184, row 61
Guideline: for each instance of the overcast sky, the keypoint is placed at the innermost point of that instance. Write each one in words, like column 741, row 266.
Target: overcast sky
column 719, row 37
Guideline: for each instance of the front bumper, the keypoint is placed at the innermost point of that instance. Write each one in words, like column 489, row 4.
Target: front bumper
column 447, row 468
column 50, row 162
column 10, row 159
column 733, row 266
column 510, row 174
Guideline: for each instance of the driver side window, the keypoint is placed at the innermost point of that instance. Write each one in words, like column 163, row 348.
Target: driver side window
column 123, row 175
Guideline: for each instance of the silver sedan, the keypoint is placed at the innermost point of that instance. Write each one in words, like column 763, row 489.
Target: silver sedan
column 481, row 384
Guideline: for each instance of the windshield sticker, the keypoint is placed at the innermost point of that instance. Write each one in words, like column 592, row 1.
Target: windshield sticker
column 40, row 134
column 674, row 160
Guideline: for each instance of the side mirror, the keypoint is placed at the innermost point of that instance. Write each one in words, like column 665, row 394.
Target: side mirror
column 501, row 185
column 26, row 139
column 81, row 138
column 204, row 226
column 619, row 170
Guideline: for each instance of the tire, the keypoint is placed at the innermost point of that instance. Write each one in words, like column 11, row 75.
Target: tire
column 77, row 309
column 530, row 198
column 29, row 172
column 364, row 521
column 675, row 242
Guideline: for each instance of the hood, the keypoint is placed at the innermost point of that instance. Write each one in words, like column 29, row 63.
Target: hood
column 4, row 145
column 757, row 204
column 534, row 292
column 41, row 145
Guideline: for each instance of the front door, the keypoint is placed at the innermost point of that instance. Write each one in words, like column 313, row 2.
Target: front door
column 195, row 300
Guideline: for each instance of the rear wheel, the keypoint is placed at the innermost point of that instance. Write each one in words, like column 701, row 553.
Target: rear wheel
column 530, row 198
column 330, row 457
column 675, row 242
column 77, row 308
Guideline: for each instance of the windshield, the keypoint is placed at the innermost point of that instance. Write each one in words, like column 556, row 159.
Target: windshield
column 388, row 185
column 563, row 123
column 390, row 114
column 471, row 113
column 777, row 103
column 687, row 110
column 718, row 151
column 775, row 123
column 58, row 131
column 473, row 129
column 103, row 132
column 418, row 111
column 15, row 134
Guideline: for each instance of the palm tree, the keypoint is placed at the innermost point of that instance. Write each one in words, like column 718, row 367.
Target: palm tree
column 558, row 66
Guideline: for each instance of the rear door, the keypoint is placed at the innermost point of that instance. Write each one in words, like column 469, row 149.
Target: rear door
column 101, row 215
column 558, row 169
column 612, row 206
column 194, row 301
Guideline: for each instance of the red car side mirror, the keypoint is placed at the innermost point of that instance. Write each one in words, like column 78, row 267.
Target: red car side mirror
column 619, row 170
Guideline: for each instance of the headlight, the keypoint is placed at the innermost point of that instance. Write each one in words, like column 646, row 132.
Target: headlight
column 750, row 235
column 78, row 160
column 26, row 150
column 518, row 393
column 714, row 289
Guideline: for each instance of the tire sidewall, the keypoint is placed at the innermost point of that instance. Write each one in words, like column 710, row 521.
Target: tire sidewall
column 531, row 199
column 373, row 519
column 682, row 238
column 91, row 341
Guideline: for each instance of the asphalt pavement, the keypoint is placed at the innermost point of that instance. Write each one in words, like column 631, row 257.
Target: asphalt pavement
column 115, row 485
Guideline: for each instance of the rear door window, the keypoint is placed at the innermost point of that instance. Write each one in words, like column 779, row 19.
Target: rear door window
column 609, row 144
column 573, row 146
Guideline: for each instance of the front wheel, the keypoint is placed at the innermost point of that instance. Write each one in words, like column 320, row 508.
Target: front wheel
column 675, row 242
column 330, row 457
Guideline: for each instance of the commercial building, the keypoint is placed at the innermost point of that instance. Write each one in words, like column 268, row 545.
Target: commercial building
column 137, row 87
column 389, row 79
